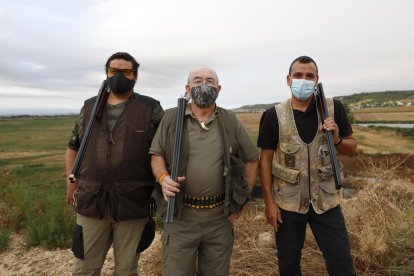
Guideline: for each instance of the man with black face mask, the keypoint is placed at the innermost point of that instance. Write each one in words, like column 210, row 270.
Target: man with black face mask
column 218, row 168
column 113, row 191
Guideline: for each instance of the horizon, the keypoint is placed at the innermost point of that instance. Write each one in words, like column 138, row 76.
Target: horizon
column 45, row 111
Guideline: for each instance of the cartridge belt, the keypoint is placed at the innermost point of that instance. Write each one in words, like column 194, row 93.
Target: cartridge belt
column 203, row 202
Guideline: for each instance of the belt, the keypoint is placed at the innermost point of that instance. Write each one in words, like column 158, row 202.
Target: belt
column 203, row 202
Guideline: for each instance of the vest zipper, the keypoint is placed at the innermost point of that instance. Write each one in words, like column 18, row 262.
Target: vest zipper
column 111, row 141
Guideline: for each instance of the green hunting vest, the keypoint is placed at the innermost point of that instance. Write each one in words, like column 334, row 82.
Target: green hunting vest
column 302, row 172
column 236, row 188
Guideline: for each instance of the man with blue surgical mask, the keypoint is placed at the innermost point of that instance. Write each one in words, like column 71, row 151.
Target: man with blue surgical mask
column 296, row 173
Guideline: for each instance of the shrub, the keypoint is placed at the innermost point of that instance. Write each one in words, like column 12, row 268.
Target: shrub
column 4, row 239
column 13, row 203
column 379, row 221
column 50, row 225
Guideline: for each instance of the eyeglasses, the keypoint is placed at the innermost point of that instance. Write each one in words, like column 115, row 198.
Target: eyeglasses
column 127, row 72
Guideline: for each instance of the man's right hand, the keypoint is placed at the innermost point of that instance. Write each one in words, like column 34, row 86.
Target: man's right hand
column 70, row 189
column 170, row 187
column 273, row 214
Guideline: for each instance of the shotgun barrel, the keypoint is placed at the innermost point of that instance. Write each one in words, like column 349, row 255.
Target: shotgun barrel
column 97, row 110
column 323, row 111
column 176, row 155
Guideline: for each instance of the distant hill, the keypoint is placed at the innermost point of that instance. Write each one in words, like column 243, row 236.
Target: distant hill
column 378, row 98
column 367, row 99
column 254, row 107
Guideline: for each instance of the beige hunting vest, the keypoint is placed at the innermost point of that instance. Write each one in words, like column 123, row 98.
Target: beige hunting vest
column 302, row 172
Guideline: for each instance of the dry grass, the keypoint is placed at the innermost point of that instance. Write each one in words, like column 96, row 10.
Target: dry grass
column 390, row 114
column 254, row 251
column 254, row 248
column 384, row 117
column 379, row 221
column 382, row 141
column 385, row 109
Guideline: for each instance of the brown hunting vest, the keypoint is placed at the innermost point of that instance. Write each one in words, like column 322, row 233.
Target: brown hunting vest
column 302, row 172
column 116, row 170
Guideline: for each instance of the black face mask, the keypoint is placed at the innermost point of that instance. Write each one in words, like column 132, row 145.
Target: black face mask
column 119, row 84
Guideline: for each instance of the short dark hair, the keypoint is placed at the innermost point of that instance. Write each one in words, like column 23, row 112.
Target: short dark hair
column 303, row 59
column 124, row 56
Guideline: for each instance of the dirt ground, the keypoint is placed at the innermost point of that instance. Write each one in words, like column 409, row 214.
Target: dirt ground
column 18, row 260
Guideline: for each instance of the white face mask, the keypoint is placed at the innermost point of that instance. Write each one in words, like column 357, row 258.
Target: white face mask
column 302, row 89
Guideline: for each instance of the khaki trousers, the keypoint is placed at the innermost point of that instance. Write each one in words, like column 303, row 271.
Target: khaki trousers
column 209, row 244
column 99, row 235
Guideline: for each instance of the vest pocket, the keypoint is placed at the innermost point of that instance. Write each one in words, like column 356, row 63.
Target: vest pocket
column 86, row 197
column 240, row 191
column 325, row 180
column 132, row 199
column 323, row 153
column 290, row 155
column 286, row 180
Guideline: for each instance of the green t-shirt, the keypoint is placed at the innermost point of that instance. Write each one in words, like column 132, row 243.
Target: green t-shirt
column 113, row 113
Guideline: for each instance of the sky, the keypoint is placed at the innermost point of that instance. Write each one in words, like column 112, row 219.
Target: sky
column 53, row 52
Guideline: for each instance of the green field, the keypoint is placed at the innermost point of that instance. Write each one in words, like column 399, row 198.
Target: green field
column 33, row 195
column 32, row 151
column 32, row 179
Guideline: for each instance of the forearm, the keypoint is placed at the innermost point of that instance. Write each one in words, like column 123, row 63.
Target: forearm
column 347, row 147
column 266, row 176
column 158, row 165
column 250, row 171
column 70, row 187
column 70, row 159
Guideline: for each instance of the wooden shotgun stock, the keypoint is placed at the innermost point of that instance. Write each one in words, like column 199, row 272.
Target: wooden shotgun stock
column 323, row 111
column 97, row 110
column 176, row 154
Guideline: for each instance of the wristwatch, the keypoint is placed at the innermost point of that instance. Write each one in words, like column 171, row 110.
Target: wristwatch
column 339, row 142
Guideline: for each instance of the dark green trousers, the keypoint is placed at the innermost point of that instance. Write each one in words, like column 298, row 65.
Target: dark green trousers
column 204, row 247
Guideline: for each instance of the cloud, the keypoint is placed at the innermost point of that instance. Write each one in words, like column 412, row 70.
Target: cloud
column 53, row 53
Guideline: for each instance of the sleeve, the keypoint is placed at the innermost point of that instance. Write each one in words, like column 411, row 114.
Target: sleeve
column 156, row 118
column 268, row 130
column 157, row 115
column 158, row 143
column 341, row 119
column 247, row 151
column 74, row 141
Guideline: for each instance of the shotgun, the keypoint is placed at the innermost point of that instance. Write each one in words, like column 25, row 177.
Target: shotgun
column 323, row 111
column 176, row 154
column 97, row 110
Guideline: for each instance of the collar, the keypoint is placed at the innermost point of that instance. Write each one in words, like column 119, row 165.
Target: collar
column 188, row 112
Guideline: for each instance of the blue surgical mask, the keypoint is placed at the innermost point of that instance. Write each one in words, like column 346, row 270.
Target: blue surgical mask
column 302, row 89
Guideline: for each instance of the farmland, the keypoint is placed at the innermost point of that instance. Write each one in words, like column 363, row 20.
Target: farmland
column 32, row 186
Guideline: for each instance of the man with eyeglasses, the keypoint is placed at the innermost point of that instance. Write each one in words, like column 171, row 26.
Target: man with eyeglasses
column 113, row 191
column 217, row 172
